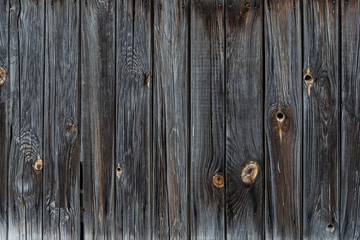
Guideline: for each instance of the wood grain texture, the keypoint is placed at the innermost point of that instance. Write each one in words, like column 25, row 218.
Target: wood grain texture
column 320, row 120
column 244, row 120
column 5, row 115
column 61, row 196
column 207, row 120
column 133, row 119
column 350, row 120
column 171, row 119
column 98, row 117
column 26, row 71
column 283, row 119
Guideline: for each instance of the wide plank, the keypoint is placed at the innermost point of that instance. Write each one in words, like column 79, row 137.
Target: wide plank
column 283, row 119
column 133, row 119
column 61, row 213
column 98, row 117
column 207, row 141
column 320, row 120
column 244, row 120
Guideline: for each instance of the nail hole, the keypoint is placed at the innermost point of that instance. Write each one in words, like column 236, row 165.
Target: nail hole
column 118, row 171
column 280, row 116
column 330, row 227
column 308, row 78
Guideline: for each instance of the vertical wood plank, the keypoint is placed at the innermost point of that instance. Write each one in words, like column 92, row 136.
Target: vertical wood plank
column 61, row 216
column 283, row 116
column 320, row 119
column 350, row 120
column 244, row 120
column 207, row 120
column 5, row 115
column 26, row 71
column 133, row 119
column 171, row 118
column 98, row 116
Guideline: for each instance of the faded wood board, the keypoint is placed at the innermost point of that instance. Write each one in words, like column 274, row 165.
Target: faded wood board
column 283, row 119
column 171, row 119
column 350, row 120
column 5, row 115
column 207, row 185
column 320, row 120
column 61, row 193
column 133, row 119
column 244, row 120
column 26, row 79
column 98, row 117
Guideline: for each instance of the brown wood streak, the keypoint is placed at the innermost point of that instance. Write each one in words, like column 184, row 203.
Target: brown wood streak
column 320, row 131
column 171, row 113
column 283, row 119
column 350, row 120
column 5, row 116
column 98, row 117
column 207, row 119
column 61, row 193
column 244, row 119
column 133, row 123
column 26, row 71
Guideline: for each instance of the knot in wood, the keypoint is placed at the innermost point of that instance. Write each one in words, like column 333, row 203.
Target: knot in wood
column 2, row 75
column 309, row 80
column 38, row 165
column 118, row 171
column 218, row 180
column 249, row 173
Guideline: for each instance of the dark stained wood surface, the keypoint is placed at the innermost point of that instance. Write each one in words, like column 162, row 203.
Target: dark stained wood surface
column 244, row 122
column 171, row 115
column 283, row 123
column 320, row 85
column 350, row 120
column 61, row 173
column 184, row 119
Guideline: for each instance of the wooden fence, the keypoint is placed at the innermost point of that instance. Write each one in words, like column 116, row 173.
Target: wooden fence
column 178, row 119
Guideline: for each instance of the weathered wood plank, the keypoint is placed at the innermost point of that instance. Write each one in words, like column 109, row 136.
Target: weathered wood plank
column 133, row 119
column 61, row 214
column 350, row 120
column 283, row 119
column 244, row 120
column 207, row 120
column 98, row 117
column 171, row 119
column 320, row 120
column 26, row 155
column 5, row 115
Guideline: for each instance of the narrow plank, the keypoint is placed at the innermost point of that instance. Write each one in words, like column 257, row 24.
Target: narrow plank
column 61, row 214
column 320, row 120
column 283, row 119
column 171, row 118
column 98, row 117
column 244, row 120
column 133, row 119
column 350, row 120
column 5, row 114
column 26, row 155
column 207, row 120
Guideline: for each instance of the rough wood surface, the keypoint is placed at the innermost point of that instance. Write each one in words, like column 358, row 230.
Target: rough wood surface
column 133, row 119
column 61, row 193
column 207, row 218
column 5, row 115
column 26, row 79
column 283, row 119
column 171, row 119
column 244, row 120
column 98, row 117
column 320, row 120
column 350, row 120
